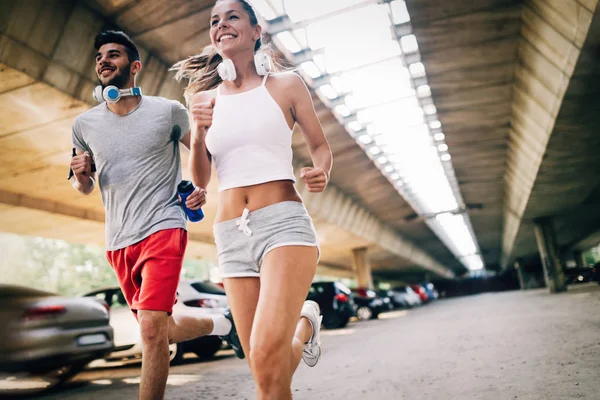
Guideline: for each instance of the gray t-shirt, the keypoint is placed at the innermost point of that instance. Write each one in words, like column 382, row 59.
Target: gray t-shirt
column 138, row 166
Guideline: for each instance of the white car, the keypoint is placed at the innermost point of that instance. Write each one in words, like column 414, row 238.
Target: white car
column 408, row 295
column 193, row 298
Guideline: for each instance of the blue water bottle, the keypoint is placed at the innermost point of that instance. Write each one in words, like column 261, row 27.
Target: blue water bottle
column 185, row 188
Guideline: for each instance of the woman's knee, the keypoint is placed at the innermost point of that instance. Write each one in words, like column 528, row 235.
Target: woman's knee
column 268, row 366
column 268, row 352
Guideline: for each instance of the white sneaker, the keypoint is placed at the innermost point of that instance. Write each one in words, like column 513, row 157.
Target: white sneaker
column 312, row 349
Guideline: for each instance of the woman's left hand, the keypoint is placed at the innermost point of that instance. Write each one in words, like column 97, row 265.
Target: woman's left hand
column 315, row 179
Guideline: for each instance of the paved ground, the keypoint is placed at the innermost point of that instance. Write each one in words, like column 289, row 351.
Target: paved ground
column 514, row 345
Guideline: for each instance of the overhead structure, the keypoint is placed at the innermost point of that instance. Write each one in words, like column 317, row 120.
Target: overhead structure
column 375, row 82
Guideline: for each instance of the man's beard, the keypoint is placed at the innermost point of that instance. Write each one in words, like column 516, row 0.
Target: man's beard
column 119, row 80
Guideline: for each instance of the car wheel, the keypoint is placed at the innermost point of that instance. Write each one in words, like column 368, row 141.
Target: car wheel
column 176, row 353
column 334, row 321
column 343, row 323
column 364, row 313
column 58, row 376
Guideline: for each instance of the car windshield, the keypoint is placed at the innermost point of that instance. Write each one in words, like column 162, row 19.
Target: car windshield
column 208, row 287
column 343, row 288
column 321, row 287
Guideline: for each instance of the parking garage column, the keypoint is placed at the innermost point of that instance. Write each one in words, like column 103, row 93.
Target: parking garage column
column 360, row 263
column 580, row 259
column 548, row 249
column 520, row 274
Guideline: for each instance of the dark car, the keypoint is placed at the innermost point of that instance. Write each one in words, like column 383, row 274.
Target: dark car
column 335, row 300
column 579, row 275
column 368, row 304
column 50, row 336
column 394, row 301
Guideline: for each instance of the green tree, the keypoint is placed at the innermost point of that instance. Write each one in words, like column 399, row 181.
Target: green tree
column 592, row 256
column 54, row 265
column 195, row 269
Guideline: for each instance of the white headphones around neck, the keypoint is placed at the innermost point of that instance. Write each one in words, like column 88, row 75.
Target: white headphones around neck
column 226, row 69
column 112, row 94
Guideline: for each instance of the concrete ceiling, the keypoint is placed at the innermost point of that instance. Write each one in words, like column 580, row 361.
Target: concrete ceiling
column 516, row 100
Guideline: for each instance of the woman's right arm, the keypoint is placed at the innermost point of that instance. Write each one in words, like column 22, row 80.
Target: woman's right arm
column 201, row 109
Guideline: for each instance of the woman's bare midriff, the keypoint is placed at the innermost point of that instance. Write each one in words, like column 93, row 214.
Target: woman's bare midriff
column 233, row 201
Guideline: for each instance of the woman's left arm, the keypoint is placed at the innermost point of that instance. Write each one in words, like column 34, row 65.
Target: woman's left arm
column 303, row 110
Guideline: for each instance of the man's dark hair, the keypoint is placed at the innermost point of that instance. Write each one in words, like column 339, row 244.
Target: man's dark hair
column 118, row 37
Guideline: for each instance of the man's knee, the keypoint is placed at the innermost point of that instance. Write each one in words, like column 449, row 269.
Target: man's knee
column 153, row 326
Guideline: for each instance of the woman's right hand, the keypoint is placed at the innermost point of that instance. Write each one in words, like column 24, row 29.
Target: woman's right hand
column 202, row 113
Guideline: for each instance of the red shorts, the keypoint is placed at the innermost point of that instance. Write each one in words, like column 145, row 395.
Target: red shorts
column 148, row 271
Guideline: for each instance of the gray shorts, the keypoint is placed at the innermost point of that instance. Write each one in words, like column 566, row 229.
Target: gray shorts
column 242, row 243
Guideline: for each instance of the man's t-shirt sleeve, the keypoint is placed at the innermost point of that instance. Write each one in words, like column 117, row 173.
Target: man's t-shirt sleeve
column 77, row 138
column 180, row 118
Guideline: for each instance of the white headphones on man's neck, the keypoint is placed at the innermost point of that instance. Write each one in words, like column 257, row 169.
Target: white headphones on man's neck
column 226, row 69
column 112, row 94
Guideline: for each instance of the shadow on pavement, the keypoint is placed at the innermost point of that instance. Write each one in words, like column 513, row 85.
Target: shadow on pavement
column 97, row 379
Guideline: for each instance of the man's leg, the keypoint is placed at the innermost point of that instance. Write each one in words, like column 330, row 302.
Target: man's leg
column 155, row 354
column 184, row 327
column 156, row 274
column 187, row 327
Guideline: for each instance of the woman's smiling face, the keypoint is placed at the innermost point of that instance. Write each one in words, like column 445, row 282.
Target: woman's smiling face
column 231, row 30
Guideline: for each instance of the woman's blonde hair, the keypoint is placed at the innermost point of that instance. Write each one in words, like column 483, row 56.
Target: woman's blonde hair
column 201, row 70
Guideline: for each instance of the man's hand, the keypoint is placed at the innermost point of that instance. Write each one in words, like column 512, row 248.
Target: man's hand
column 315, row 179
column 82, row 167
column 196, row 199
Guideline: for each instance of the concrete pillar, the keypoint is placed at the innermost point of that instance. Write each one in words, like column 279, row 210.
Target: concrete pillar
column 579, row 259
column 547, row 246
column 360, row 263
column 520, row 274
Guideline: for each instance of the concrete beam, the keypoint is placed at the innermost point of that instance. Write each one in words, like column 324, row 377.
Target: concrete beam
column 41, row 204
column 52, row 41
column 552, row 36
column 587, row 243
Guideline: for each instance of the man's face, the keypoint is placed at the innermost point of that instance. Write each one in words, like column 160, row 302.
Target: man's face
column 112, row 65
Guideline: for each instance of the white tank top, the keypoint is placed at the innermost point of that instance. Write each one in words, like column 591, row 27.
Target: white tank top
column 249, row 139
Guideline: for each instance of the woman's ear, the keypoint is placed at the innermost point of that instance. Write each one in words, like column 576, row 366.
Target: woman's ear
column 258, row 32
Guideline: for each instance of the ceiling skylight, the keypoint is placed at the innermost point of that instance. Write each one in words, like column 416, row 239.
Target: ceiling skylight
column 362, row 59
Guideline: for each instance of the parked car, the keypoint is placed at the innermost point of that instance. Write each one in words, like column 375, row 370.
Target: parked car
column 596, row 272
column 368, row 304
column 396, row 299
column 432, row 293
column 335, row 301
column 407, row 294
column 579, row 275
column 420, row 290
column 199, row 298
column 50, row 336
